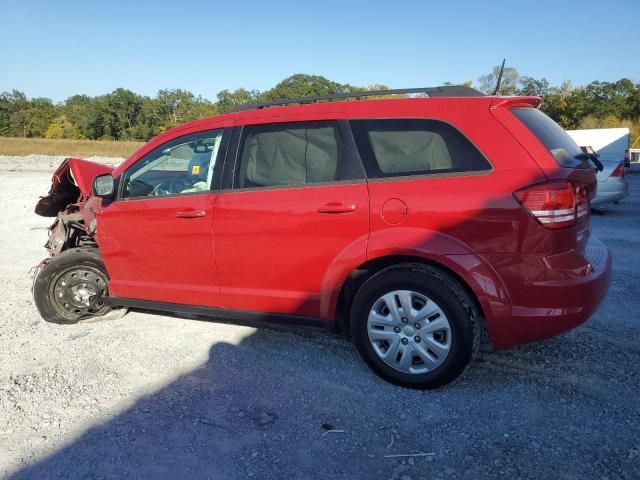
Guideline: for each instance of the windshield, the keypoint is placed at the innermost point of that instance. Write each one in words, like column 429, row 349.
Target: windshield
column 563, row 148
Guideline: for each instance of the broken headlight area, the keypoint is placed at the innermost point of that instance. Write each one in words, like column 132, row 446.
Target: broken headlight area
column 66, row 200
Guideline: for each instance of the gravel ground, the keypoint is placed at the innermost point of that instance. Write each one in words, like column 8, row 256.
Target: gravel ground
column 153, row 396
column 44, row 163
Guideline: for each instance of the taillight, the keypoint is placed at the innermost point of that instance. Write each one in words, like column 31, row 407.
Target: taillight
column 619, row 171
column 555, row 204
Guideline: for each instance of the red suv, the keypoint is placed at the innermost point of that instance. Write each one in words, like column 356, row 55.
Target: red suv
column 419, row 227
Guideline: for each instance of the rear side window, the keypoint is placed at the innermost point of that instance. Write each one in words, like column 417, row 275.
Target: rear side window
column 561, row 146
column 289, row 154
column 401, row 147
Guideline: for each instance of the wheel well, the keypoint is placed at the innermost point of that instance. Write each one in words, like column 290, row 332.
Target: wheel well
column 365, row 271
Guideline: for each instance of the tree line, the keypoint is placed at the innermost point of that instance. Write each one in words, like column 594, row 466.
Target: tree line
column 125, row 115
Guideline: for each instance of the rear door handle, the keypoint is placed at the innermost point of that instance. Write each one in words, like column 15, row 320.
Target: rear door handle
column 336, row 207
column 191, row 214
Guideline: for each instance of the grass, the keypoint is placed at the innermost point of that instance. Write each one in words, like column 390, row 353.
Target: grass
column 72, row 148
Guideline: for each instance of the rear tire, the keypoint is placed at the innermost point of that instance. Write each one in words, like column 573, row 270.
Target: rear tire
column 415, row 325
column 70, row 287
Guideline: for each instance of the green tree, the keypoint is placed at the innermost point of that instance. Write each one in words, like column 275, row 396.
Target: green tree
column 173, row 107
column 301, row 85
column 10, row 103
column 87, row 113
column 508, row 85
column 532, row 86
column 227, row 100
column 621, row 98
column 122, row 113
column 62, row 127
column 564, row 104
column 33, row 119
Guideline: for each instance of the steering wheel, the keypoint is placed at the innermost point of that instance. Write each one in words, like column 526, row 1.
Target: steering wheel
column 172, row 185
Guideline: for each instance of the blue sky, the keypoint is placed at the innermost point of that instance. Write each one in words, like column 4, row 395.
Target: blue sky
column 59, row 48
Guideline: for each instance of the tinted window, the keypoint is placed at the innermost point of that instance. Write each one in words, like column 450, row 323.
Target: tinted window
column 289, row 154
column 395, row 147
column 563, row 148
column 183, row 165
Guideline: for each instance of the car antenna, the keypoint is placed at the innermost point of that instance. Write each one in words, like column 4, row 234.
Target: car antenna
column 495, row 92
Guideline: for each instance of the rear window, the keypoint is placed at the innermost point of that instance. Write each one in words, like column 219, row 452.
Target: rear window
column 561, row 146
column 401, row 147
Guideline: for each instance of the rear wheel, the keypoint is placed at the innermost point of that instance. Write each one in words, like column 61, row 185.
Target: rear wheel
column 71, row 287
column 415, row 325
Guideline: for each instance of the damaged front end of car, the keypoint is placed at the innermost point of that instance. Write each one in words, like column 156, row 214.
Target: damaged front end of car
column 70, row 200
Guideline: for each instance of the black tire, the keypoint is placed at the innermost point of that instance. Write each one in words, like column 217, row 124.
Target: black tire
column 81, row 260
column 460, row 309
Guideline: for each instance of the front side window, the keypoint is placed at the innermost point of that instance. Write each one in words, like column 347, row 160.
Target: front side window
column 289, row 154
column 401, row 147
column 181, row 166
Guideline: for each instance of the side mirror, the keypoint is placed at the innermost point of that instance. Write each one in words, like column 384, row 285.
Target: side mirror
column 104, row 186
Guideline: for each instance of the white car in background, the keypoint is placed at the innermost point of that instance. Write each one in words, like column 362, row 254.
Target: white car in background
column 608, row 145
column 612, row 184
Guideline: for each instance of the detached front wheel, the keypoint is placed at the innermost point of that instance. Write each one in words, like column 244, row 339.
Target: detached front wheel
column 71, row 287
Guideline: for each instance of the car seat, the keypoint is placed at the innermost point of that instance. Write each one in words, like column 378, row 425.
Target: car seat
column 198, row 169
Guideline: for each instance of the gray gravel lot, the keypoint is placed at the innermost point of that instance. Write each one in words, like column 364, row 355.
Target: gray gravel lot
column 153, row 396
column 44, row 163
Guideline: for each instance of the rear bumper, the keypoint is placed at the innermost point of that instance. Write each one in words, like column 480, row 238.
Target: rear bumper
column 611, row 190
column 550, row 295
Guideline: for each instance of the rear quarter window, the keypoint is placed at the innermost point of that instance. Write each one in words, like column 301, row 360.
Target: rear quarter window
column 405, row 147
column 558, row 142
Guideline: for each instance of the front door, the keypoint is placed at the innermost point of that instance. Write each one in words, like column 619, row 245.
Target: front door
column 299, row 204
column 156, row 238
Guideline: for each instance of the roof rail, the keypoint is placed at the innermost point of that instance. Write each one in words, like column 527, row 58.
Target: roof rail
column 444, row 91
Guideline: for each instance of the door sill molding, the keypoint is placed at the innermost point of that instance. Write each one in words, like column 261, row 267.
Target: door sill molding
column 239, row 316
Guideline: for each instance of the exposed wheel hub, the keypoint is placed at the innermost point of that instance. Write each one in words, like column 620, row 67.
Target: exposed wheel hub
column 79, row 291
column 409, row 331
column 83, row 294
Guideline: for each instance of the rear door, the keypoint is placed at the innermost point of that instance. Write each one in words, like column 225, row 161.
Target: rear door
column 297, row 204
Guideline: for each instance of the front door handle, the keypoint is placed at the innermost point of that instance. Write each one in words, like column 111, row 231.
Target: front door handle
column 336, row 207
column 191, row 214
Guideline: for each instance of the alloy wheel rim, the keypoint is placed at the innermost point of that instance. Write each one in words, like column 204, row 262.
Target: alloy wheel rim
column 79, row 292
column 409, row 331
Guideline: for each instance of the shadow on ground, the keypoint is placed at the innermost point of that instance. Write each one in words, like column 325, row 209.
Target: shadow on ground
column 257, row 409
